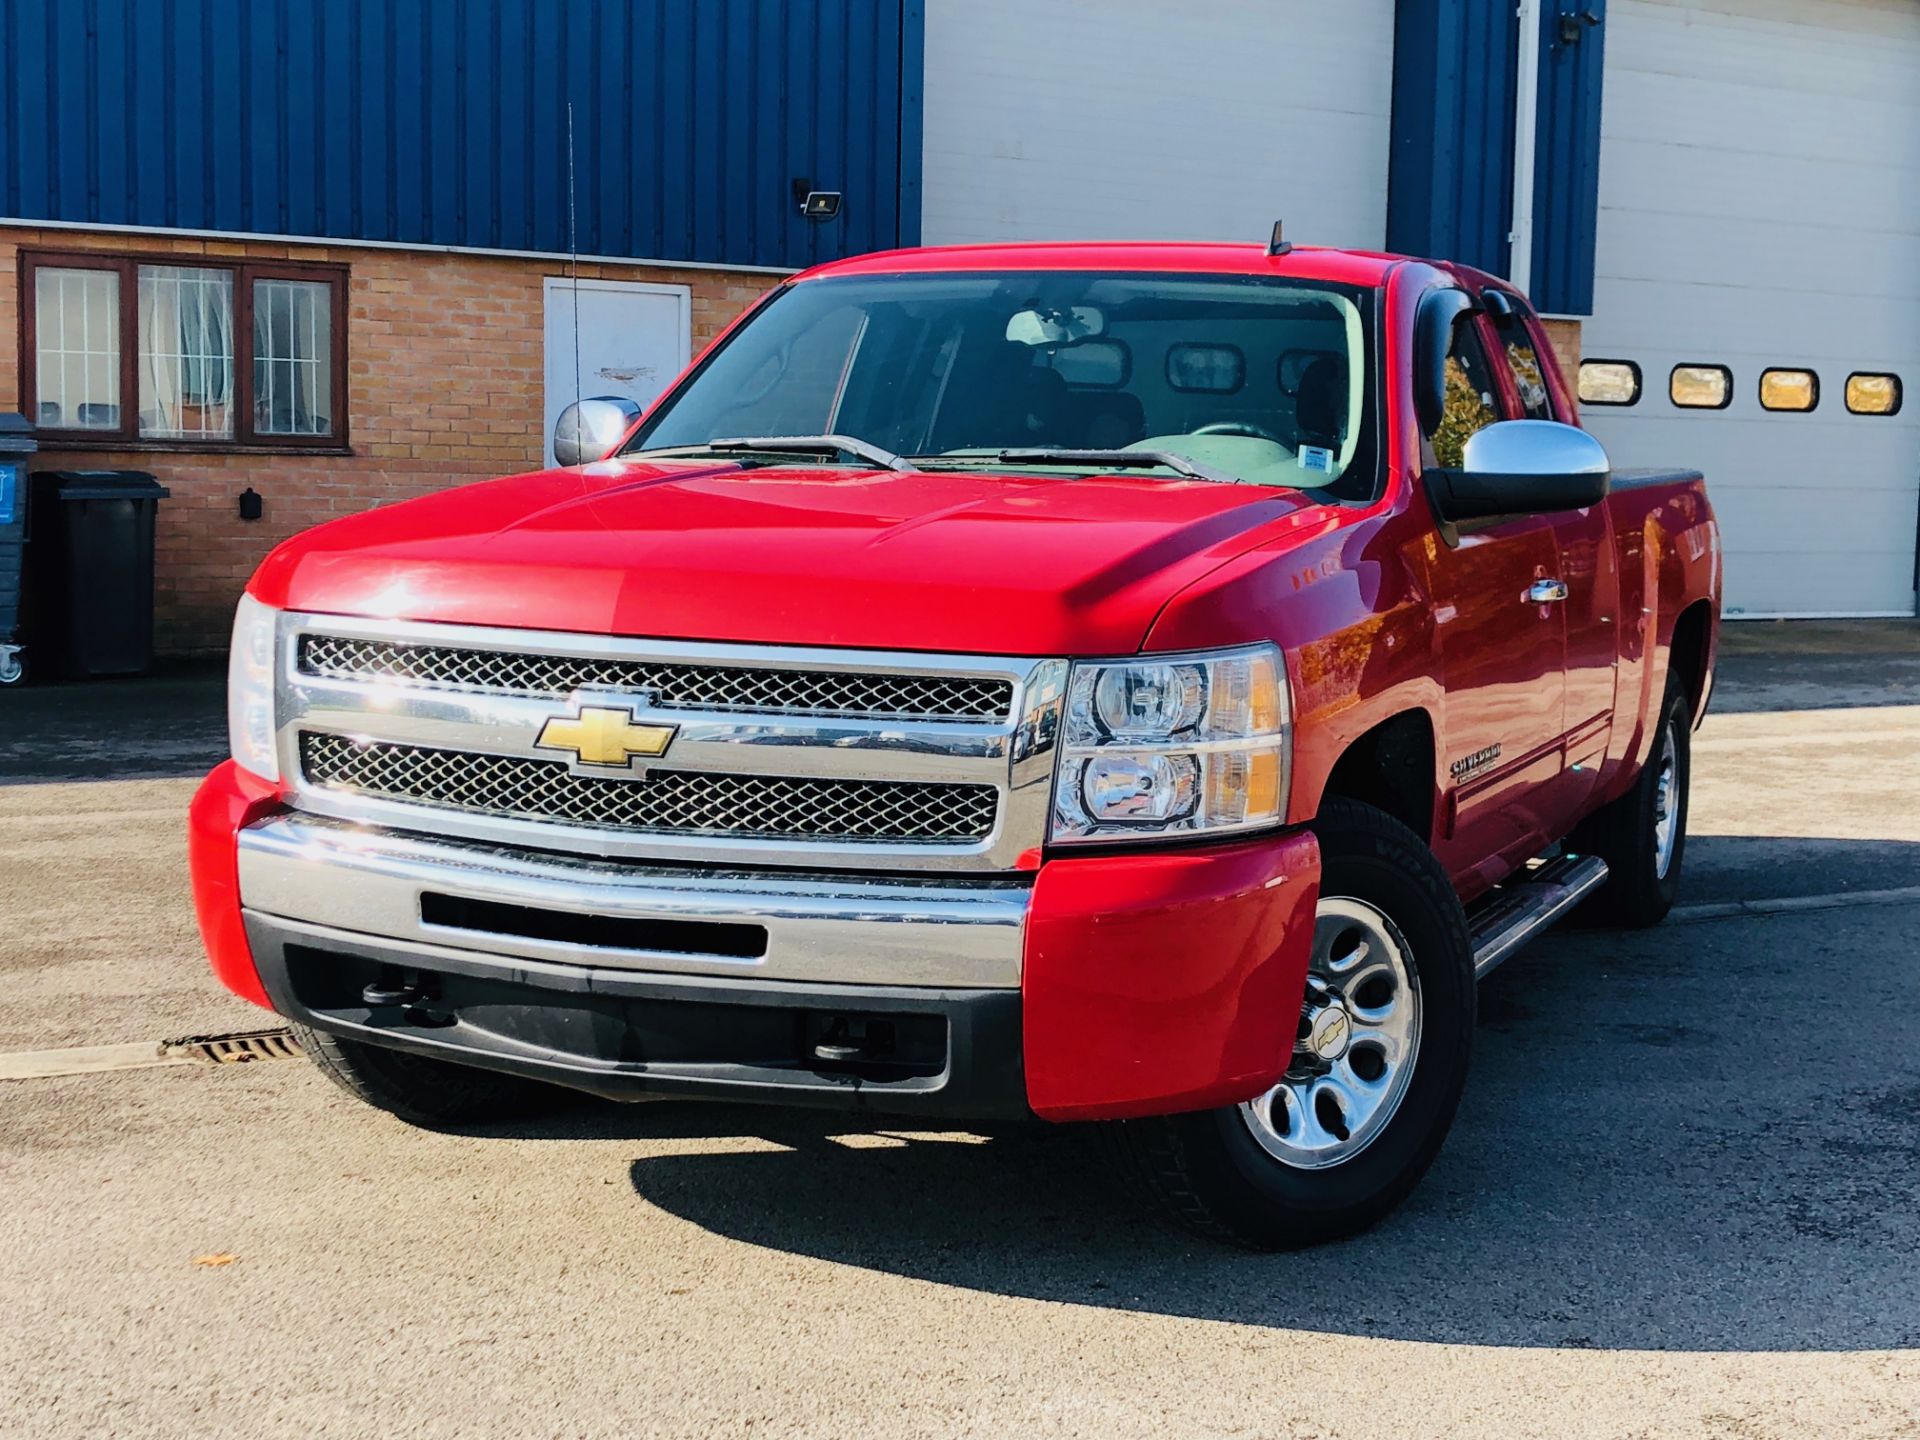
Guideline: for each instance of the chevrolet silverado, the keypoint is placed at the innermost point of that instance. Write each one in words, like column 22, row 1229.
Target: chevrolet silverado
column 1137, row 683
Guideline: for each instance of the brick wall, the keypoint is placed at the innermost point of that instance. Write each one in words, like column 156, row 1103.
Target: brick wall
column 1565, row 338
column 445, row 384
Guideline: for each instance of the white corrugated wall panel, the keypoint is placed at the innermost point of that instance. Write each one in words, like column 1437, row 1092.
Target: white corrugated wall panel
column 1134, row 119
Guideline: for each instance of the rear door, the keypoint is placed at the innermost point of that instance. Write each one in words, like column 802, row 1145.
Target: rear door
column 1588, row 567
column 1503, row 656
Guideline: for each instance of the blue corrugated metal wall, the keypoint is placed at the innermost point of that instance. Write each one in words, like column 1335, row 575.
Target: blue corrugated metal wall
column 444, row 122
column 1450, row 176
column 1450, row 180
column 1566, row 174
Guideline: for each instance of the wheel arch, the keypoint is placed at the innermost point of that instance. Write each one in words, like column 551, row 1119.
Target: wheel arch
column 1689, row 654
column 1392, row 768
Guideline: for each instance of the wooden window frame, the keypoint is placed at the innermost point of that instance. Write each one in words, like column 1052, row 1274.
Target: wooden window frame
column 245, row 271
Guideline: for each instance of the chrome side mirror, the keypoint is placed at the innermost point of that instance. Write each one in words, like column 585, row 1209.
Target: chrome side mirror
column 588, row 429
column 1522, row 467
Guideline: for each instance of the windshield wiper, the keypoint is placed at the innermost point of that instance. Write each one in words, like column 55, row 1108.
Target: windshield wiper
column 1126, row 459
column 813, row 445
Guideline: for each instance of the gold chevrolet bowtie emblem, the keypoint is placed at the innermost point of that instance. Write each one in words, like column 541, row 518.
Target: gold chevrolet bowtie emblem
column 605, row 735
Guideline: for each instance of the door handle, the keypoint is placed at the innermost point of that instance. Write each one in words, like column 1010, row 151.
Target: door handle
column 1545, row 592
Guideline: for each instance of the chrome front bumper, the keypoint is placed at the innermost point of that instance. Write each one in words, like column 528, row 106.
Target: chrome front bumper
column 328, row 876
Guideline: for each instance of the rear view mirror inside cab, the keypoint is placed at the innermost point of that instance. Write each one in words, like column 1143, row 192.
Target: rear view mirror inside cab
column 1064, row 325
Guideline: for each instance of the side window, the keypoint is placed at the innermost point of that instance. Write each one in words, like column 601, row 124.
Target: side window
column 1536, row 399
column 1470, row 402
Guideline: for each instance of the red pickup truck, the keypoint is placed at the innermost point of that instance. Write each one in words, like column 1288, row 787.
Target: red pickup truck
column 1138, row 683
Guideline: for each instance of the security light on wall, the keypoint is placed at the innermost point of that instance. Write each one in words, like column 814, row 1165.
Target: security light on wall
column 815, row 204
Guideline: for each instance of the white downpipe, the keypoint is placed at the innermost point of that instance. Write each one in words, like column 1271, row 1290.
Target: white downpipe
column 1526, row 113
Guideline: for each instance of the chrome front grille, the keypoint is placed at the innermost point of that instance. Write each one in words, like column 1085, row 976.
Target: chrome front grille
column 776, row 756
column 682, row 802
column 668, row 685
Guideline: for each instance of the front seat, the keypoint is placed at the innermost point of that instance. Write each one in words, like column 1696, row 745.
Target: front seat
column 1320, row 406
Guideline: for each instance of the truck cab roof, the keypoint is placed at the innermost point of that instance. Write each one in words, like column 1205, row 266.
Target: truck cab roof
column 1302, row 262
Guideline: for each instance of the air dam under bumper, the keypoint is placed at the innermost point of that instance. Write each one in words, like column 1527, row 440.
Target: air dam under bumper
column 1098, row 987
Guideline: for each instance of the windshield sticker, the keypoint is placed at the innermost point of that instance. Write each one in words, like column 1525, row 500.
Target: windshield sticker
column 1316, row 458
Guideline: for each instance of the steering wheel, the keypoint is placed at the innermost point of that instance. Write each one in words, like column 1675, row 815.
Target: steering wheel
column 1239, row 427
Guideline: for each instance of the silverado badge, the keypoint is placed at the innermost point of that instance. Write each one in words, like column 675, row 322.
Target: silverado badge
column 605, row 736
column 1472, row 764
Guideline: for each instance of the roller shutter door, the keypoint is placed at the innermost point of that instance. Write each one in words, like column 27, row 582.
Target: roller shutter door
column 1760, row 209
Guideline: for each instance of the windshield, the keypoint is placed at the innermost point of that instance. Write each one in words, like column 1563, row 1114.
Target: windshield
column 1264, row 381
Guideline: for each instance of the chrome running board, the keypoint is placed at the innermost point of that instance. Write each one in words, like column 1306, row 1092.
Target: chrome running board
column 1522, row 908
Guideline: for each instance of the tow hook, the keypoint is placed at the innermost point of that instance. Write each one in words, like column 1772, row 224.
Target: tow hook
column 404, row 989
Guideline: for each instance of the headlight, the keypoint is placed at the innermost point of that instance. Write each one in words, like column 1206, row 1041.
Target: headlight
column 250, row 728
column 1174, row 745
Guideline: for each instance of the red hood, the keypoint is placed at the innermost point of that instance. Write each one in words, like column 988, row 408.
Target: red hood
column 801, row 555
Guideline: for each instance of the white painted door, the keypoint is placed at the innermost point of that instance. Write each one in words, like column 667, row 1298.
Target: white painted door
column 632, row 340
column 1760, row 207
column 1139, row 120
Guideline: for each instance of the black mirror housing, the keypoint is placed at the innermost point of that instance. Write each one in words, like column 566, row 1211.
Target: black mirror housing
column 1521, row 467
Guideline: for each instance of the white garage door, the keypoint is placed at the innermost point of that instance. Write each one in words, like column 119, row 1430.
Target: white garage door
column 1135, row 119
column 1760, row 208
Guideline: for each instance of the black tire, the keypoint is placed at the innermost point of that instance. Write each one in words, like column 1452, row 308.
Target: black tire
column 14, row 671
column 422, row 1091
column 1625, row 834
column 1209, row 1173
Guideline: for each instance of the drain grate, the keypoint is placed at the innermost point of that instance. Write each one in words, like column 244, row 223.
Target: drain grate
column 240, row 1048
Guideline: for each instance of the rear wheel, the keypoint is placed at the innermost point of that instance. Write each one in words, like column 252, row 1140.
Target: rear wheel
column 1643, row 835
column 422, row 1091
column 1378, row 1064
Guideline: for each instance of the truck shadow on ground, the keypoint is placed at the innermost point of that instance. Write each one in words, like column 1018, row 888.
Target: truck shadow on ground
column 1703, row 1137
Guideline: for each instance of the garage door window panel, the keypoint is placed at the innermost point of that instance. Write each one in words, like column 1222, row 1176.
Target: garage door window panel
column 211, row 356
column 1609, row 382
column 1700, row 387
column 1791, row 390
column 1871, row 393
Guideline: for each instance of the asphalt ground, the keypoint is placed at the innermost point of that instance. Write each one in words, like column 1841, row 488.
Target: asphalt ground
column 1682, row 1196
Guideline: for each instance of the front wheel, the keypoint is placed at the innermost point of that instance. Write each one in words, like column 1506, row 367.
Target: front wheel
column 1378, row 1065
column 423, row 1091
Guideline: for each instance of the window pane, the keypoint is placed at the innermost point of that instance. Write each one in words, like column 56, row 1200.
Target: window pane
column 1700, row 387
column 1470, row 405
column 1535, row 401
column 292, row 357
column 1609, row 382
column 76, row 328
column 1789, row 389
column 1209, row 369
column 186, row 353
column 1102, row 363
column 1873, row 394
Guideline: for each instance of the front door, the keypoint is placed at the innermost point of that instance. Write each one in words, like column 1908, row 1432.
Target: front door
column 631, row 339
column 1503, row 657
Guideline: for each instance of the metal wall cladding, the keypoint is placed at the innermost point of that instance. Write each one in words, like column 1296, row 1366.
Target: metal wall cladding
column 1450, row 182
column 1450, row 185
column 445, row 122
column 1566, row 166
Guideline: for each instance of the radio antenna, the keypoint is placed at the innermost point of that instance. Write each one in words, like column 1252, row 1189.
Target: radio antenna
column 573, row 250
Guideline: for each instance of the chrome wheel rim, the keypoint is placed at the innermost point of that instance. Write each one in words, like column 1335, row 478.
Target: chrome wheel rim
column 1666, row 803
column 1355, row 1048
